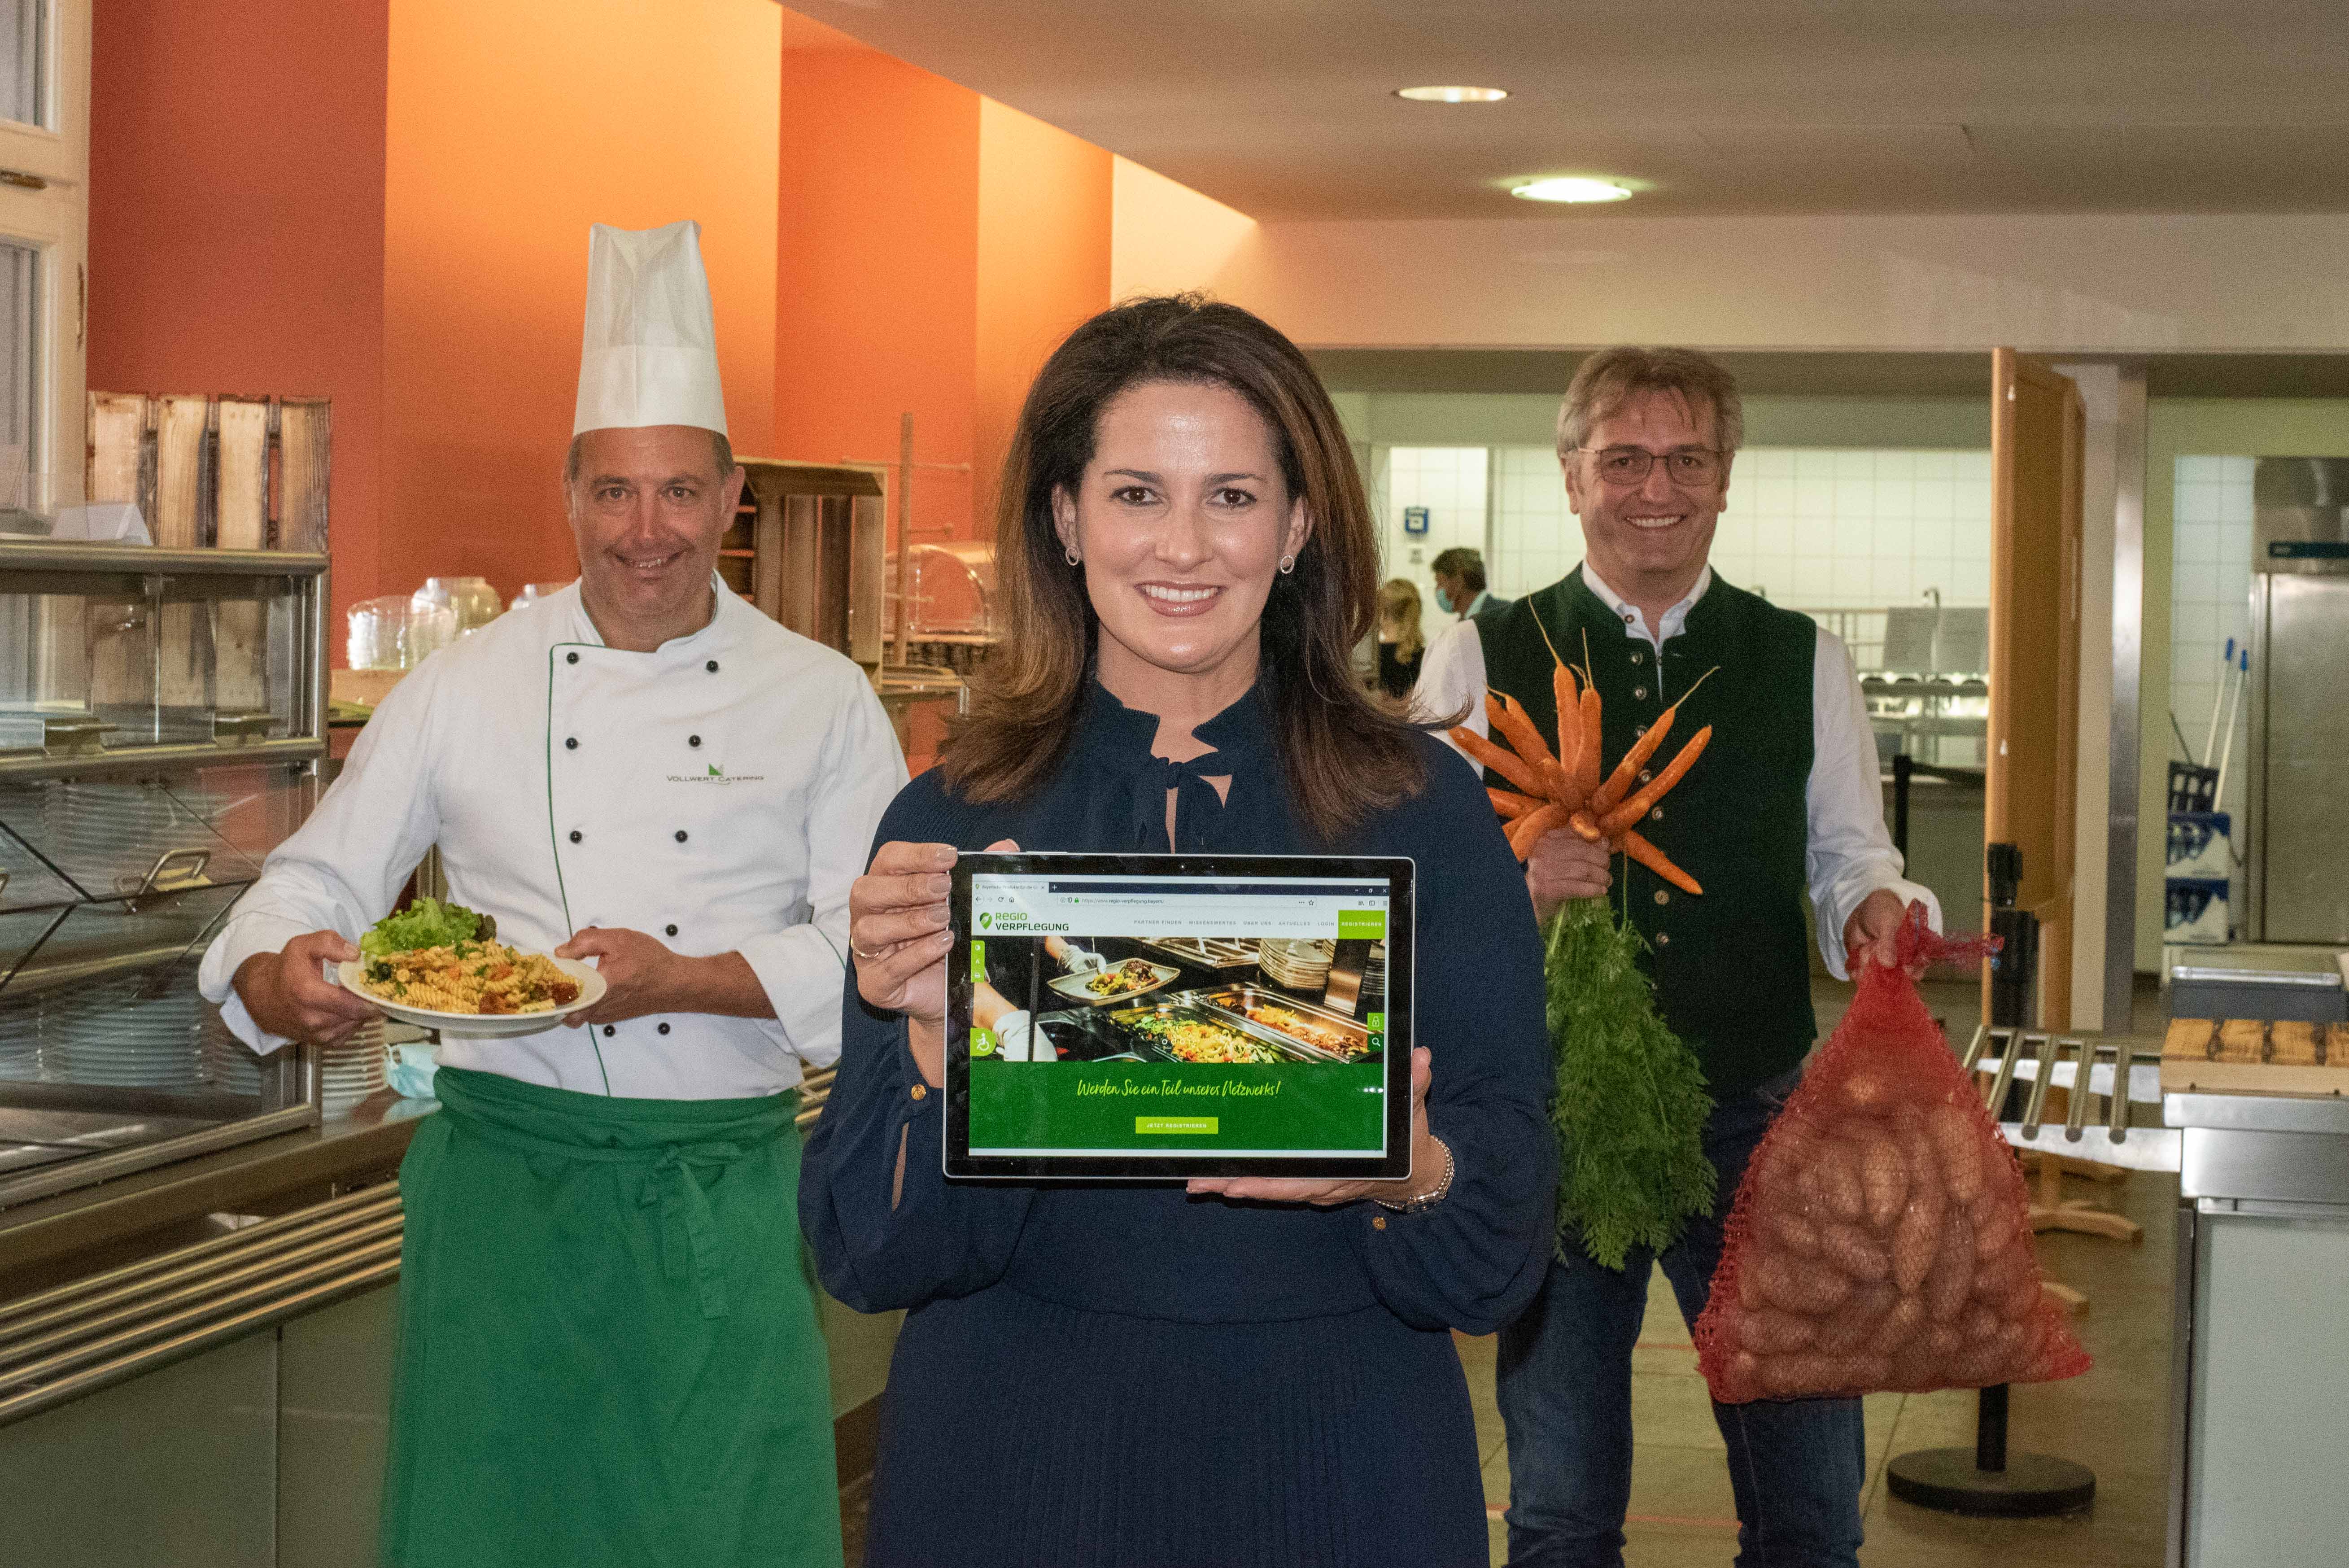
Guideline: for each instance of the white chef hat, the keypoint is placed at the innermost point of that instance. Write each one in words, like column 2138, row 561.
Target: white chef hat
column 650, row 352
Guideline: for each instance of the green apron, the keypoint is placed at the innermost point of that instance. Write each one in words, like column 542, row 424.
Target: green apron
column 609, row 1349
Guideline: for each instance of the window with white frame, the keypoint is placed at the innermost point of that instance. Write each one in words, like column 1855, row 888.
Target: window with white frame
column 43, row 248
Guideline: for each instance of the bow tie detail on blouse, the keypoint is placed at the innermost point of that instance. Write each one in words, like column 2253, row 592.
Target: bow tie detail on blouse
column 1125, row 811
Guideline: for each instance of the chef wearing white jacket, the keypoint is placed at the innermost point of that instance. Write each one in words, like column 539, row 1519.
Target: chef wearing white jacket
column 609, row 1352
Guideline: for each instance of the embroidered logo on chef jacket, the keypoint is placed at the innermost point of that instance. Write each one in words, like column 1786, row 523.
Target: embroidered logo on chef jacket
column 717, row 775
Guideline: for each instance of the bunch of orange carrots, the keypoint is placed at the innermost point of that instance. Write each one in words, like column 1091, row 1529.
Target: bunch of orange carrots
column 1566, row 789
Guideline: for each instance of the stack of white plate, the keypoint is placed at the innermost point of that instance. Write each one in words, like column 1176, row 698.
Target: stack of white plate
column 100, row 832
column 110, row 1036
column 353, row 1070
column 230, row 1065
column 1297, row 963
column 21, row 808
column 20, row 1037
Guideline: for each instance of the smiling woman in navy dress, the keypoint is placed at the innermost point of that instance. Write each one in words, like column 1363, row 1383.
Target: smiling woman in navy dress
column 1233, row 1372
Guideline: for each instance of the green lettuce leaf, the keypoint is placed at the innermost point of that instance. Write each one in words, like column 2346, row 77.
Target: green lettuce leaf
column 426, row 923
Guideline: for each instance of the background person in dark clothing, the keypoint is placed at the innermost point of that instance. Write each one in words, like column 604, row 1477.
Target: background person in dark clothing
column 1401, row 641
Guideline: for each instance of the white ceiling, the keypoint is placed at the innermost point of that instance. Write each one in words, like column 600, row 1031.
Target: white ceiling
column 1283, row 108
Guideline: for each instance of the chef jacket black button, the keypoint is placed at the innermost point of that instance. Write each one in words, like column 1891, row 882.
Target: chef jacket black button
column 571, row 743
column 570, row 659
column 575, row 836
column 664, row 1028
column 609, row 1032
column 680, row 835
column 711, row 667
column 693, row 740
column 670, row 929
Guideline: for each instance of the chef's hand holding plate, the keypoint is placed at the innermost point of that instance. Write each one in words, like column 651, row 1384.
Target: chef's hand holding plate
column 288, row 993
column 1430, row 1161
column 898, row 932
column 640, row 975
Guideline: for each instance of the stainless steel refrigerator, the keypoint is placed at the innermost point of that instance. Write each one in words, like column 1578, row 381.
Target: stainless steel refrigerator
column 2298, row 804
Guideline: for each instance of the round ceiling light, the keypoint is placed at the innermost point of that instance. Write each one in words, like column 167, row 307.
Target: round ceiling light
column 1453, row 94
column 1571, row 190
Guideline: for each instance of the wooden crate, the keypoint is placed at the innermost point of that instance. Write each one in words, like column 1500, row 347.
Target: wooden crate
column 2247, row 1055
column 207, row 472
column 230, row 472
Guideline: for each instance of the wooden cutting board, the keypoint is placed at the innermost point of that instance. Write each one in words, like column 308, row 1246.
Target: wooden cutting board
column 2252, row 1056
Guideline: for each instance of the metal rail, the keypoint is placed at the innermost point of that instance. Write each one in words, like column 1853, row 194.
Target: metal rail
column 2047, row 1051
column 92, row 1333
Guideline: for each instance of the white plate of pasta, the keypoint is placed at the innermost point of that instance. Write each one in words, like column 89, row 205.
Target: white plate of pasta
column 481, row 988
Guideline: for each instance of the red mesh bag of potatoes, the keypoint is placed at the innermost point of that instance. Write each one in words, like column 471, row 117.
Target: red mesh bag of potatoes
column 1881, row 1239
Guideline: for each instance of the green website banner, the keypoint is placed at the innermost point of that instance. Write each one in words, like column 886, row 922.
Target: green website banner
column 1307, row 1107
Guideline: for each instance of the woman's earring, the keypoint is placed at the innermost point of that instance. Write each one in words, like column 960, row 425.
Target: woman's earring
column 1073, row 557
column 1288, row 564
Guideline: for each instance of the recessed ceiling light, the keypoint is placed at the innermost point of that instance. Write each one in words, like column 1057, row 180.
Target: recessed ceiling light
column 1571, row 190
column 1453, row 94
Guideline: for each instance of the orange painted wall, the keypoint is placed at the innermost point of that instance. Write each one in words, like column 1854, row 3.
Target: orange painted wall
column 236, row 221
column 512, row 127
column 1045, row 227
column 876, row 270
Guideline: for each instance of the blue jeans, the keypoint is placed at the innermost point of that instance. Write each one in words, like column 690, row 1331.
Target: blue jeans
column 1796, row 1466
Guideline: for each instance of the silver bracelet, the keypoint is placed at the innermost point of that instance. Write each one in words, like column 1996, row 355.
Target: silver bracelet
column 1428, row 1201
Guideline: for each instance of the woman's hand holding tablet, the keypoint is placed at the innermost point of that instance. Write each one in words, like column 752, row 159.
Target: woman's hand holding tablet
column 1430, row 1165
column 898, row 929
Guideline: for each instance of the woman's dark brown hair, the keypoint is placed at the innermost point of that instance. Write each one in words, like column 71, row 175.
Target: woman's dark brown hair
column 1342, row 757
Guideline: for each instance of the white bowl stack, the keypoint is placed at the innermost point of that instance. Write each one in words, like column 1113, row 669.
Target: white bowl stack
column 230, row 1067
column 109, row 1036
column 350, row 1071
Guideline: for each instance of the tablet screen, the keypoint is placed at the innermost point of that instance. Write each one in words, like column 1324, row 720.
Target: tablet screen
column 1179, row 1015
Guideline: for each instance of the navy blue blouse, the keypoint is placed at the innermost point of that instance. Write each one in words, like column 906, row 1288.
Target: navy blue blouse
column 1471, row 1263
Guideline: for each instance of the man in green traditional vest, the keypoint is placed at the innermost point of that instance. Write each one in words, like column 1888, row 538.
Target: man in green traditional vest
column 610, row 1353
column 1786, row 798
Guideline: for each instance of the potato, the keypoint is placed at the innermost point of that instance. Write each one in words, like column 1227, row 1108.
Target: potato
column 1804, row 1376
column 1952, row 1278
column 1797, row 1286
column 1855, row 1252
column 1916, row 1234
column 1943, row 1340
column 1998, row 1225
column 1852, row 1324
column 1992, row 1359
column 2021, row 1298
column 1883, row 1180
column 1900, row 1326
column 1996, row 1275
column 1957, row 1141
column 1836, row 1173
column 1980, row 1321
column 1741, row 1379
column 1868, row 1086
column 1771, row 1332
column 1783, row 1227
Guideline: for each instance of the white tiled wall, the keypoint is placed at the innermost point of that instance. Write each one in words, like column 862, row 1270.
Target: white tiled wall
column 1811, row 528
column 1449, row 482
column 2210, row 602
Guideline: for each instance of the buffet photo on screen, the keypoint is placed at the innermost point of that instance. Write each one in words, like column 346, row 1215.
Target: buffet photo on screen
column 1178, row 1015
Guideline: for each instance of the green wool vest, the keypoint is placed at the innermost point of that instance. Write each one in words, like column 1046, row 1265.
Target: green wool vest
column 1731, row 965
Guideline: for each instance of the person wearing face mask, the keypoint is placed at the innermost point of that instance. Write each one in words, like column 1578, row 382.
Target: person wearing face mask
column 1243, row 1371
column 1459, row 574
column 1786, row 801
column 609, row 1353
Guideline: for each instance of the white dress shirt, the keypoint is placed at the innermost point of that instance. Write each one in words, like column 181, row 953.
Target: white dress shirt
column 1850, row 853
column 719, row 794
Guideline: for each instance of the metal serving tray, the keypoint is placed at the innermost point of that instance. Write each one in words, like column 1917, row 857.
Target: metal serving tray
column 1151, row 1049
column 1234, row 1001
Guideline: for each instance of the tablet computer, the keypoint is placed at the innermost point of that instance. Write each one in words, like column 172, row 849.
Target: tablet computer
column 1155, row 1016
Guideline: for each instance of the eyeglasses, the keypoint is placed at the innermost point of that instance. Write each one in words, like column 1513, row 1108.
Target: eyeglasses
column 1690, row 465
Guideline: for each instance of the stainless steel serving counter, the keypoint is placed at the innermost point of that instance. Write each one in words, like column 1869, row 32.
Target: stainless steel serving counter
column 2257, row 1419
